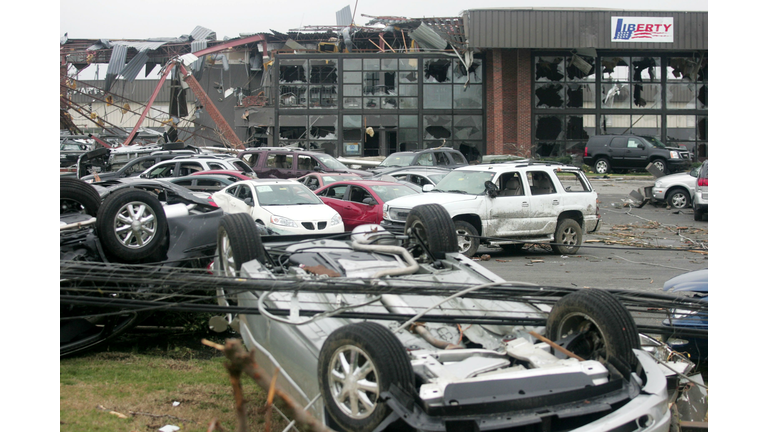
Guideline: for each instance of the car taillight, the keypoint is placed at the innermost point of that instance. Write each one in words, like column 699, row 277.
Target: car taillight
column 585, row 151
column 704, row 182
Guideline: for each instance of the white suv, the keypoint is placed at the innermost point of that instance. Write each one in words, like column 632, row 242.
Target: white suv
column 184, row 166
column 508, row 205
column 701, row 194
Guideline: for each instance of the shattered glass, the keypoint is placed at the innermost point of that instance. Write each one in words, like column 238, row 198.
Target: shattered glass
column 549, row 69
column 468, row 97
column 550, row 95
column 437, row 70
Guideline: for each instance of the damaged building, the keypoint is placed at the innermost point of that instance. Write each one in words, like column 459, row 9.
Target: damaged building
column 529, row 82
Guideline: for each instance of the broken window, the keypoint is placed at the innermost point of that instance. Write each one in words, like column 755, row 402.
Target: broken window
column 686, row 69
column 681, row 96
column 437, row 127
column 615, row 68
column 470, row 97
column 580, row 68
column 293, row 96
column 580, row 95
column 371, row 64
column 468, row 127
column 293, row 127
column 323, row 72
column 549, row 127
column 550, row 95
column 615, row 95
column 389, row 64
column 549, row 69
column 409, row 77
column 408, row 64
column 646, row 96
column 576, row 129
column 646, row 69
column 293, row 71
column 681, row 128
column 437, row 70
column 323, row 127
column 323, row 96
column 460, row 72
column 379, row 83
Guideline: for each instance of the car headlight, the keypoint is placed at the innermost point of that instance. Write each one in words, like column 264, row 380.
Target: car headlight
column 279, row 220
column 336, row 219
column 674, row 155
column 657, row 184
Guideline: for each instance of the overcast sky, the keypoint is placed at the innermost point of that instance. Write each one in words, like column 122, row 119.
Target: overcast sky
column 143, row 19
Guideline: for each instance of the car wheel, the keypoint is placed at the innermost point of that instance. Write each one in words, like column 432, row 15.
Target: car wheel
column 601, row 327
column 661, row 165
column 602, row 166
column 698, row 214
column 357, row 363
column 433, row 225
column 238, row 242
column 85, row 332
column 512, row 248
column 567, row 237
column 131, row 225
column 77, row 196
column 466, row 237
column 678, row 198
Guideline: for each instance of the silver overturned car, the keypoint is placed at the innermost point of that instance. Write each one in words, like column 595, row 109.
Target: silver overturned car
column 376, row 332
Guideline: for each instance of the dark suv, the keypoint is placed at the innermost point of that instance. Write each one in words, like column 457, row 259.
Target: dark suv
column 634, row 152
column 440, row 157
column 289, row 162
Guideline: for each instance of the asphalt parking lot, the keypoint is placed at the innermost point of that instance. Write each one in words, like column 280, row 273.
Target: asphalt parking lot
column 635, row 249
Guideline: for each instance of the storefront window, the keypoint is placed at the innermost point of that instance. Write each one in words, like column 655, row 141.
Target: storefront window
column 550, row 95
column 437, row 127
column 580, row 95
column 470, row 97
column 549, row 69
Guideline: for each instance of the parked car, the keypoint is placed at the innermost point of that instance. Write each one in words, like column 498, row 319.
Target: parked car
column 132, row 168
column 360, row 202
column 407, row 334
column 204, row 183
column 696, row 282
column 71, row 150
column 441, row 157
column 184, row 166
column 315, row 181
column 509, row 204
column 634, row 152
column 239, row 175
column 676, row 189
column 126, row 221
column 284, row 206
column 701, row 192
column 420, row 176
column 291, row 163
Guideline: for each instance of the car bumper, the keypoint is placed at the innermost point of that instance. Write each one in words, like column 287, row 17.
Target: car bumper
column 675, row 165
column 592, row 224
column 393, row 227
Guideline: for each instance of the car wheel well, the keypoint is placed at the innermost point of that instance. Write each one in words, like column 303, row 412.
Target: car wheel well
column 471, row 219
column 575, row 215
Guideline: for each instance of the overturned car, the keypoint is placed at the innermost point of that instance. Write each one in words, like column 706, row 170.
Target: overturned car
column 124, row 221
column 378, row 332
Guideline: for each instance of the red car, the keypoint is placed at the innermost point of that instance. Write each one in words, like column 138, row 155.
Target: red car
column 240, row 175
column 360, row 202
column 315, row 181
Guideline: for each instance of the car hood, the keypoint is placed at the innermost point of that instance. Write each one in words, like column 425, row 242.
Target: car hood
column 411, row 201
column 678, row 178
column 305, row 212
column 697, row 281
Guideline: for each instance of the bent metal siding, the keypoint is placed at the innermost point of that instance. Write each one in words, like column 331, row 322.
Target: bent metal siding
column 574, row 28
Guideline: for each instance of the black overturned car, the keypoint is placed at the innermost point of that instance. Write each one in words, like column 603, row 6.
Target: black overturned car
column 127, row 221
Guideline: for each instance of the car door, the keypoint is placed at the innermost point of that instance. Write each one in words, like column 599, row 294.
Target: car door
column 507, row 213
column 336, row 197
column 279, row 165
column 360, row 208
column 545, row 202
column 233, row 199
column 618, row 151
column 636, row 155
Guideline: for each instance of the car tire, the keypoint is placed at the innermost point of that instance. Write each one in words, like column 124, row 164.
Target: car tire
column 568, row 237
column 678, row 198
column 368, row 347
column 661, row 165
column 86, row 332
column 126, row 213
column 602, row 166
column 77, row 196
column 466, row 237
column 238, row 241
column 698, row 214
column 609, row 331
column 434, row 226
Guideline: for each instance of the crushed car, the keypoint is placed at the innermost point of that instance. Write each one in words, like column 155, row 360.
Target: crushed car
column 131, row 220
column 373, row 331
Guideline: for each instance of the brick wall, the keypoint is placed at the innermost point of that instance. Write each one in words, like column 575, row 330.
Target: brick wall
column 508, row 94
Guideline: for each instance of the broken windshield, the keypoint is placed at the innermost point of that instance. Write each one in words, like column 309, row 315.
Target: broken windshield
column 468, row 182
column 397, row 160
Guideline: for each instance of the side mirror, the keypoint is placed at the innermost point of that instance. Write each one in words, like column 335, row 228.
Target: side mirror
column 369, row 201
column 641, row 146
column 144, row 175
column 427, row 187
column 248, row 201
column 491, row 190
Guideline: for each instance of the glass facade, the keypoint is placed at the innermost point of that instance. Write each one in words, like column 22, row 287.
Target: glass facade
column 575, row 97
column 370, row 105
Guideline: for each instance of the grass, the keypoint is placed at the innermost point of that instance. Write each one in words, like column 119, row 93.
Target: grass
column 142, row 381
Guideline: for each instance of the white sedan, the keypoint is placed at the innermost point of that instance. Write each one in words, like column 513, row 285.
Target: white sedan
column 284, row 206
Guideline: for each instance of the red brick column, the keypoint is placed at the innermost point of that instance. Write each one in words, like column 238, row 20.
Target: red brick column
column 508, row 94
